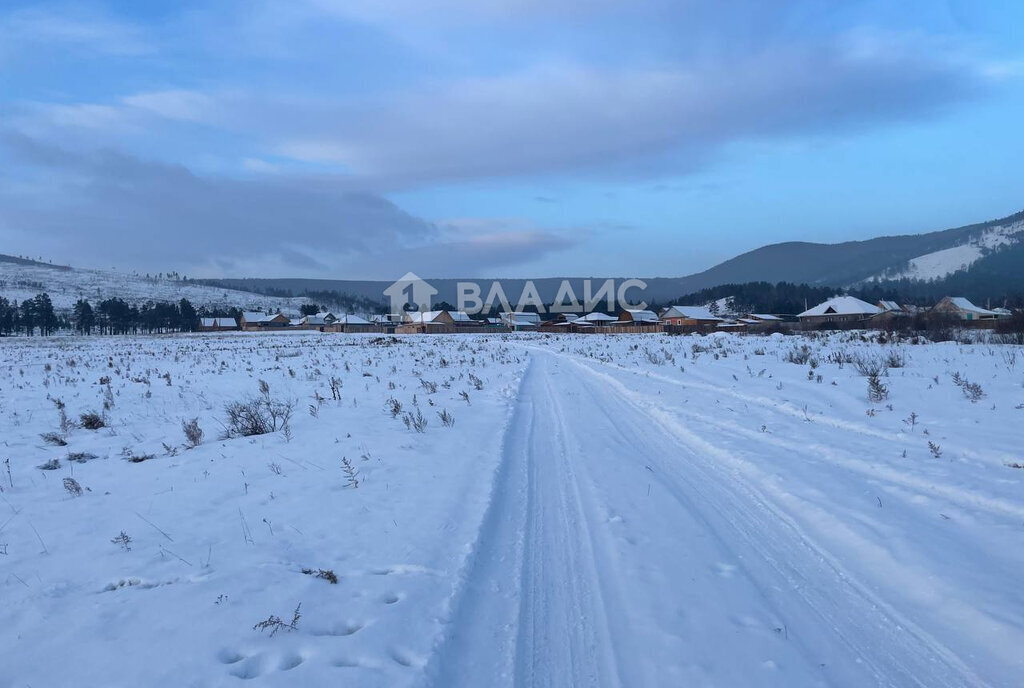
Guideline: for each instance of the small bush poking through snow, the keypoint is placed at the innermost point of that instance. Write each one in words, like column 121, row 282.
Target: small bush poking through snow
column 275, row 624
column 51, row 465
column 326, row 574
column 417, row 421
column 80, row 457
column 971, row 390
column 90, row 420
column 877, row 391
column 72, row 487
column 193, row 433
column 54, row 438
column 259, row 415
column 123, row 540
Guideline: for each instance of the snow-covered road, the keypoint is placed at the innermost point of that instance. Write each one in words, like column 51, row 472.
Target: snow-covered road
column 620, row 549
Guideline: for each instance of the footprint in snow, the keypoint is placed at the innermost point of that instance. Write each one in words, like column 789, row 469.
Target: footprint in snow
column 226, row 656
column 406, row 658
column 249, row 668
column 289, row 662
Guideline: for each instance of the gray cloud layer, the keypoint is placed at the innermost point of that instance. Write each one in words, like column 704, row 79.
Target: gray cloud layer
column 144, row 212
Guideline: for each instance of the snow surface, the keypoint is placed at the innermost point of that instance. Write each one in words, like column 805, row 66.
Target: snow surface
column 65, row 287
column 942, row 263
column 605, row 511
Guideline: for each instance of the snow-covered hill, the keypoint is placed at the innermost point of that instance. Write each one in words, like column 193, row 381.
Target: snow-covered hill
column 939, row 264
column 20, row 280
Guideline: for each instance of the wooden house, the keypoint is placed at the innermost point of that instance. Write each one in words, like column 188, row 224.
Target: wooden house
column 839, row 309
column 960, row 307
column 217, row 324
column 252, row 320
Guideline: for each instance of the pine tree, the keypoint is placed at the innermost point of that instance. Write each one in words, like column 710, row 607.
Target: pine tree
column 46, row 318
column 189, row 319
column 85, row 319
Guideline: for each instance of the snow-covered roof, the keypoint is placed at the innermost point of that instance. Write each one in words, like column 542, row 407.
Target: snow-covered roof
column 324, row 315
column 218, row 322
column 521, row 317
column 1002, row 311
column 764, row 316
column 598, row 317
column 427, row 317
column 312, row 320
column 964, row 304
column 889, row 306
column 639, row 315
column 460, row 316
column 843, row 305
column 256, row 316
column 347, row 319
column 691, row 312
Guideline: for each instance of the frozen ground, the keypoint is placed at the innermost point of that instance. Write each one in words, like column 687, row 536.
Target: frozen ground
column 604, row 511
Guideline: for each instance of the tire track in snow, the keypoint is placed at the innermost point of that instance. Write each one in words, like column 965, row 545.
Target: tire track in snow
column 530, row 609
column 618, row 551
column 799, row 579
column 961, row 497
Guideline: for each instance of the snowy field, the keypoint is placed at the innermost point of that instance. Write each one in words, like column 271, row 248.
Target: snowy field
column 516, row 510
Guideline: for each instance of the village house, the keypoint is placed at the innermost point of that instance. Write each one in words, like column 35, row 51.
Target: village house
column 633, row 320
column 566, row 322
column 350, row 324
column 960, row 307
column 217, row 324
column 763, row 318
column 252, row 320
column 426, row 322
column 517, row 321
column 689, row 316
column 596, row 319
column 839, row 309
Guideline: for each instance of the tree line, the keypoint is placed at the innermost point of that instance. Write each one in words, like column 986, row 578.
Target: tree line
column 109, row 316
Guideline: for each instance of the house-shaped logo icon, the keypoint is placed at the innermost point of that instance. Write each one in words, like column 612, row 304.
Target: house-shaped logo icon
column 409, row 289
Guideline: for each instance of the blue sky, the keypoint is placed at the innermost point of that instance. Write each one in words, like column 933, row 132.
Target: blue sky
column 361, row 139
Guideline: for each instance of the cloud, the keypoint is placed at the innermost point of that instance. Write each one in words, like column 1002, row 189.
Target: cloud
column 556, row 118
column 105, row 206
column 71, row 27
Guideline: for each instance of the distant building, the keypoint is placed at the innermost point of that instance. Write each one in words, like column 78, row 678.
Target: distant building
column 351, row 324
column 597, row 319
column 517, row 321
column 889, row 306
column 689, row 316
column 960, row 307
column 426, row 322
column 636, row 316
column 217, row 324
column 259, row 321
column 637, row 320
column 763, row 317
column 840, row 309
